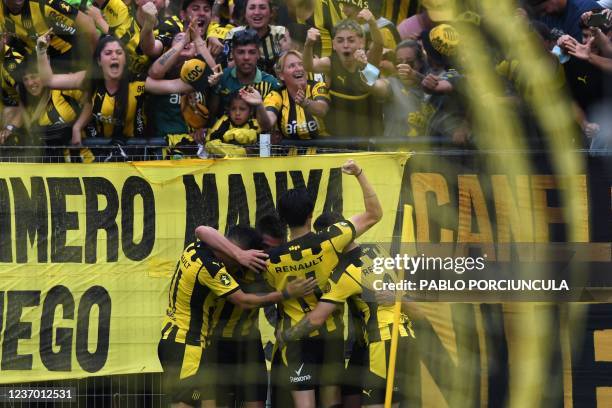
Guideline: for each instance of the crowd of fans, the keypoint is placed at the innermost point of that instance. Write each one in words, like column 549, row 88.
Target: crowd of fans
column 218, row 74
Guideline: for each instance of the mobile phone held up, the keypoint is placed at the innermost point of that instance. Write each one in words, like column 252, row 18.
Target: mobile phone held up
column 597, row 20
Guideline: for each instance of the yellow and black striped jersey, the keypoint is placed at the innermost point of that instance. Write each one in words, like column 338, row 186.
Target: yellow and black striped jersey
column 138, row 62
column 63, row 107
column 352, row 281
column 198, row 281
column 224, row 125
column 292, row 119
column 117, row 15
column 326, row 15
column 36, row 17
column 321, row 14
column 218, row 30
column 133, row 121
column 8, row 72
column 232, row 321
column 312, row 255
column 398, row 10
column 167, row 29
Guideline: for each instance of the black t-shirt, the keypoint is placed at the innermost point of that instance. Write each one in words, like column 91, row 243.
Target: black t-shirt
column 589, row 86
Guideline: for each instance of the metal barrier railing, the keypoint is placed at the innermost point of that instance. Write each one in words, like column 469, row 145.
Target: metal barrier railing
column 138, row 149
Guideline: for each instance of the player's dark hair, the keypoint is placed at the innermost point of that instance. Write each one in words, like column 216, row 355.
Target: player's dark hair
column 271, row 224
column 327, row 219
column 295, row 206
column 245, row 237
column 245, row 37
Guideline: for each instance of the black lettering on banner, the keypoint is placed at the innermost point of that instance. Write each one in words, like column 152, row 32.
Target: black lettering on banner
column 496, row 347
column 238, row 205
column 62, row 359
column 16, row 329
column 92, row 362
column 202, row 206
column 281, row 184
column 333, row 198
column 468, row 348
column 137, row 186
column 552, row 383
column 101, row 219
column 30, row 218
column 314, row 180
column 264, row 204
column 62, row 220
column 6, row 233
column 588, row 372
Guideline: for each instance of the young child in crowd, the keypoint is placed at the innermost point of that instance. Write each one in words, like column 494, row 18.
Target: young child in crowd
column 238, row 127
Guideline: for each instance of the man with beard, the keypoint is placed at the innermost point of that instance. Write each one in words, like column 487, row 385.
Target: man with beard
column 197, row 11
column 244, row 74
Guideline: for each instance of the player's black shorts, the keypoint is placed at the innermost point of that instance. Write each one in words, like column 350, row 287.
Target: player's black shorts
column 314, row 361
column 352, row 383
column 375, row 363
column 185, row 379
column 241, row 369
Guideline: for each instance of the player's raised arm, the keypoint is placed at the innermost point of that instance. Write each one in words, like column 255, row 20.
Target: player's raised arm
column 373, row 210
column 252, row 258
column 86, row 29
column 73, row 80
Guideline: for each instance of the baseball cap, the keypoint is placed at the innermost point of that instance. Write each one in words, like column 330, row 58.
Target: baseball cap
column 441, row 43
column 195, row 72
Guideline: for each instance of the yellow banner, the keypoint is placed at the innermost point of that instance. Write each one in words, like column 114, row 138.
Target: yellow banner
column 87, row 251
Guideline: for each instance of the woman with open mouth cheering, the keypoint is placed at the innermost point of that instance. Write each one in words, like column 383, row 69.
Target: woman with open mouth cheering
column 114, row 101
column 298, row 107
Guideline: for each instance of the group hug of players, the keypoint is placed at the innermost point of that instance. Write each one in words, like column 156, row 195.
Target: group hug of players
column 210, row 348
